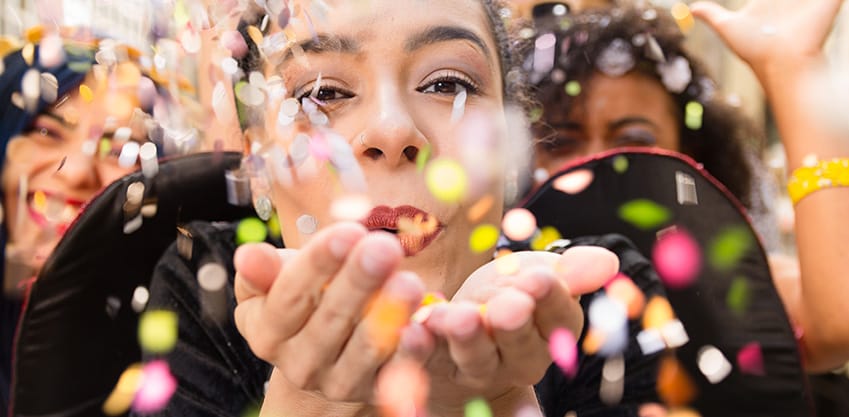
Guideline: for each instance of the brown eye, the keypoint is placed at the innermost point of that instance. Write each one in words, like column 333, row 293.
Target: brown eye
column 449, row 85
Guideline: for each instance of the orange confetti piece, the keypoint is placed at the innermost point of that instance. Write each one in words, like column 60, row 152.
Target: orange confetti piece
column 384, row 321
column 624, row 290
column 658, row 312
column 122, row 395
column 674, row 386
column 593, row 341
column 480, row 208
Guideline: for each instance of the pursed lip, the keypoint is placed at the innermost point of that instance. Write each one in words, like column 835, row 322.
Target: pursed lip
column 415, row 228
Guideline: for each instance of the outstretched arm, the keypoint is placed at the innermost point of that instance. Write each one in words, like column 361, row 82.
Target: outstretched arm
column 782, row 41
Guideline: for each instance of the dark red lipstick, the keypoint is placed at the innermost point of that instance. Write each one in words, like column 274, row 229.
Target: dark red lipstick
column 415, row 228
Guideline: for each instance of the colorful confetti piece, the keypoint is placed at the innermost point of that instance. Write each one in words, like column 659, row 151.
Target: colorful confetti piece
column 644, row 214
column 729, row 247
column 519, row 224
column 483, row 238
column 157, row 387
column 674, row 386
column 750, row 359
column 158, row 331
column 446, row 180
column 574, row 182
column 251, row 230
column 563, row 348
column 677, row 259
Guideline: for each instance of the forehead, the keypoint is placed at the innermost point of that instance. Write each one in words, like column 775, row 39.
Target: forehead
column 633, row 93
column 381, row 21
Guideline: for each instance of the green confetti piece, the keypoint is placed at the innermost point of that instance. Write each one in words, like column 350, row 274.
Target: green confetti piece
column 535, row 114
column 573, row 88
column 620, row 164
column 79, row 67
column 737, row 298
column 694, row 112
column 478, row 408
column 273, row 225
column 423, row 157
column 105, row 147
column 726, row 250
column 644, row 214
column 158, row 331
column 251, row 230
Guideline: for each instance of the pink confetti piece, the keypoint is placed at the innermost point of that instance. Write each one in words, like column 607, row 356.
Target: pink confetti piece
column 563, row 348
column 677, row 258
column 157, row 387
column 750, row 359
column 574, row 182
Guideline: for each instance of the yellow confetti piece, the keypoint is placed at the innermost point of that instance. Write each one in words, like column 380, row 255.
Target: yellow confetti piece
column 433, row 297
column 658, row 312
column 446, row 180
column 255, row 34
column 547, row 236
column 28, row 53
column 105, row 147
column 86, row 93
column 483, row 238
column 39, row 201
column 158, row 331
column 683, row 17
column 122, row 395
column 477, row 407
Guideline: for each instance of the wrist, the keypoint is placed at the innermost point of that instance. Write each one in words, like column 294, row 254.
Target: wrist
column 284, row 399
column 505, row 404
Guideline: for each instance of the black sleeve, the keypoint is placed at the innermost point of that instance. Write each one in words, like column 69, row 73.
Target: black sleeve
column 559, row 395
column 216, row 372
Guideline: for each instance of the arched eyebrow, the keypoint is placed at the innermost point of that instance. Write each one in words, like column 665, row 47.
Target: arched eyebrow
column 437, row 34
column 324, row 43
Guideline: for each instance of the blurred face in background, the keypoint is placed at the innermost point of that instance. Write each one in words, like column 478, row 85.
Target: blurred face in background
column 66, row 157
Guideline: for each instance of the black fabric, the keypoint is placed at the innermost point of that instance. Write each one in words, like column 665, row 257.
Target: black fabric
column 671, row 180
column 559, row 395
column 78, row 332
column 216, row 372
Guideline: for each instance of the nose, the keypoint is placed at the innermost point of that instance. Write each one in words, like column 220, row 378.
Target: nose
column 593, row 145
column 392, row 137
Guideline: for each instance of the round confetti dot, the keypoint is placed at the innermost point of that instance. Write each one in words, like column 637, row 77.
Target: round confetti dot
column 644, row 214
column 750, row 359
column 563, row 348
column 157, row 387
column 620, row 164
column 713, row 364
column 230, row 66
column 234, row 42
column 251, row 230
column 574, row 182
column 306, row 224
column 483, row 238
column 573, row 88
column 353, row 207
column 51, row 52
column 693, row 114
column 477, row 407
column 212, row 277
column 677, row 259
column 546, row 236
column 158, row 331
column 519, row 224
column 446, row 180
column 607, row 315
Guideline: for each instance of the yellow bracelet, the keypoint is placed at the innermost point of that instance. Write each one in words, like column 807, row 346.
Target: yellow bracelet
column 825, row 174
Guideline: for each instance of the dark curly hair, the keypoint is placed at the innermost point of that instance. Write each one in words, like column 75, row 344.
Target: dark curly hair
column 725, row 142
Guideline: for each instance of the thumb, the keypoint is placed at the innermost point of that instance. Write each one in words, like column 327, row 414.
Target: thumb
column 257, row 266
column 711, row 13
column 585, row 269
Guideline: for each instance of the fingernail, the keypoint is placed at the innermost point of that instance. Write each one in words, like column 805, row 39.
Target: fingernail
column 373, row 263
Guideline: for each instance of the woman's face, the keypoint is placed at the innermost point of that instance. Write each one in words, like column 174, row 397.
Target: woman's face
column 390, row 74
column 65, row 159
column 610, row 112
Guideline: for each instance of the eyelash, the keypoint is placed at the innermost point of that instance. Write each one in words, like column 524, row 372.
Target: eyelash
column 453, row 77
column 306, row 92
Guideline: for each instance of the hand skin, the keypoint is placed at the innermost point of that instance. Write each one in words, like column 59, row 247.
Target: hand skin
column 784, row 54
column 303, row 335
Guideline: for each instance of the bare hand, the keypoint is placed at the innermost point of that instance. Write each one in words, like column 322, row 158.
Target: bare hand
column 767, row 33
column 318, row 313
column 507, row 345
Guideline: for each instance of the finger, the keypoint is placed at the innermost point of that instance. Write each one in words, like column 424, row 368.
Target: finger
column 522, row 349
column 374, row 340
column 344, row 301
column 473, row 351
column 585, row 269
column 257, row 266
column 416, row 343
column 555, row 308
column 295, row 294
column 711, row 13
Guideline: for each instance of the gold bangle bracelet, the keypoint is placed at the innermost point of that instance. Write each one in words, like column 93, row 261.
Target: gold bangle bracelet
column 826, row 174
